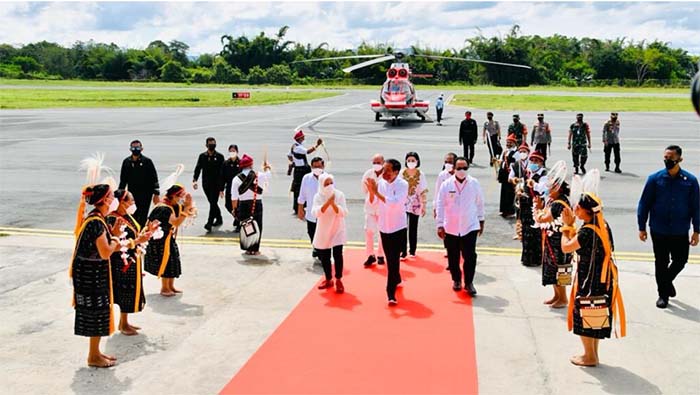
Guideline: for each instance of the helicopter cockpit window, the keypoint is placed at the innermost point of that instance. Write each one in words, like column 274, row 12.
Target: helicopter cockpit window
column 397, row 87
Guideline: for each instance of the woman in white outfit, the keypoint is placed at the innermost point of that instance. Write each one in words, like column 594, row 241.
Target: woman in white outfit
column 330, row 210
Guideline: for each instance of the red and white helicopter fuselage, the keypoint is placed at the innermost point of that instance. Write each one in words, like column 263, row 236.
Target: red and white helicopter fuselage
column 398, row 98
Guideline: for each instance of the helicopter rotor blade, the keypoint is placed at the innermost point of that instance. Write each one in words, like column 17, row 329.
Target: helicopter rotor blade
column 522, row 66
column 338, row 57
column 369, row 63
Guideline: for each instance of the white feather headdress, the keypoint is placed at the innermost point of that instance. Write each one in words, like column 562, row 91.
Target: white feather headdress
column 172, row 178
column 94, row 167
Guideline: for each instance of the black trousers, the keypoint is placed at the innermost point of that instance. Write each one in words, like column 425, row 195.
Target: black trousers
column 464, row 246
column 412, row 234
column 579, row 155
column 311, row 230
column 665, row 246
column 495, row 149
column 542, row 149
column 393, row 244
column 244, row 209
column 439, row 114
column 610, row 148
column 297, row 176
column 469, row 150
column 325, row 257
column 214, row 210
column 143, row 205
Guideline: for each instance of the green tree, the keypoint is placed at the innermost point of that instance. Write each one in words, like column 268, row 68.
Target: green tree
column 172, row 72
column 257, row 75
column 280, row 74
column 26, row 63
column 225, row 74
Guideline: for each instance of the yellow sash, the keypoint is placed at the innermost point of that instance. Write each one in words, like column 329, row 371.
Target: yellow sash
column 166, row 252
column 136, row 228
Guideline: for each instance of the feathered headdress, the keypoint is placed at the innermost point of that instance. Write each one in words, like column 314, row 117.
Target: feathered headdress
column 557, row 175
column 93, row 167
column 171, row 180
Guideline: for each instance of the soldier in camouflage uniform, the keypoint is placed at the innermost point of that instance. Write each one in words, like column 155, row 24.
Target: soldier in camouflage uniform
column 518, row 129
column 579, row 143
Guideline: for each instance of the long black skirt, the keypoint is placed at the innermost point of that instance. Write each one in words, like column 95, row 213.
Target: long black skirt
column 154, row 257
column 91, row 293
column 507, row 204
column 127, row 287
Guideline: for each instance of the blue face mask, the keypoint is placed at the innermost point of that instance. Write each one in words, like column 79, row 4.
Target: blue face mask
column 533, row 167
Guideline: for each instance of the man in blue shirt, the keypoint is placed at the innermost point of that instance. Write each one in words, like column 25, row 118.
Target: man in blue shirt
column 439, row 106
column 671, row 202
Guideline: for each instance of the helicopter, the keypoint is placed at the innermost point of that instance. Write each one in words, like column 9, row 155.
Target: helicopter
column 398, row 98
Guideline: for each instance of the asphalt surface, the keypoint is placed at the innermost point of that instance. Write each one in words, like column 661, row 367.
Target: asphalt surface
column 41, row 151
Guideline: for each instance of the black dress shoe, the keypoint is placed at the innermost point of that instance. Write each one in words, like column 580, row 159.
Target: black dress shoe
column 470, row 289
column 671, row 291
column 617, row 170
column 207, row 227
column 380, row 260
column 456, row 286
column 662, row 303
column 370, row 260
column 583, row 170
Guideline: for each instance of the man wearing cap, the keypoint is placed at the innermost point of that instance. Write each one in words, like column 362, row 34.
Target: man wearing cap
column 507, row 202
column 541, row 136
column 535, row 185
column 611, row 141
column 297, row 155
column 579, row 135
column 518, row 129
column 309, row 189
column 492, row 131
column 439, row 106
column 246, row 195
column 468, row 134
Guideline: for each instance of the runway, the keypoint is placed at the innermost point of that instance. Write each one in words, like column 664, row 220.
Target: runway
column 41, row 151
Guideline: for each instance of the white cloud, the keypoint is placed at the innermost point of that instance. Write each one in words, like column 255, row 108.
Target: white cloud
column 344, row 24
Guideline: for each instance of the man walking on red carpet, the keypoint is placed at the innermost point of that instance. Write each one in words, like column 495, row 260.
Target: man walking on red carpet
column 392, row 192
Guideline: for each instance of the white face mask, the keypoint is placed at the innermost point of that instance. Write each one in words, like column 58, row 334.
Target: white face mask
column 461, row 174
column 317, row 171
column 114, row 205
column 449, row 166
column 328, row 190
column 411, row 165
column 245, row 171
column 233, row 155
column 131, row 209
column 522, row 156
column 377, row 168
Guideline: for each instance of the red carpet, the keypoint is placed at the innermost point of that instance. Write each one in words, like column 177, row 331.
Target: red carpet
column 355, row 344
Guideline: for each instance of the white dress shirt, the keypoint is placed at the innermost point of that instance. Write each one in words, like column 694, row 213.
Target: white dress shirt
column 263, row 181
column 392, row 212
column 444, row 175
column 309, row 189
column 460, row 206
column 371, row 208
column 330, row 227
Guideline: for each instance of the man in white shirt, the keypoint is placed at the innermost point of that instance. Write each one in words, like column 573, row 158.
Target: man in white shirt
column 309, row 189
column 448, row 170
column 392, row 192
column 246, row 195
column 460, row 219
column 372, row 213
column 297, row 156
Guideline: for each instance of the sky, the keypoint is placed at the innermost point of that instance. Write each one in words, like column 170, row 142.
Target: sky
column 344, row 24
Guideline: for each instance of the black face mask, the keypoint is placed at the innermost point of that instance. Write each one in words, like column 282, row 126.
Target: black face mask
column 540, row 119
column 579, row 120
column 211, row 147
column 670, row 163
column 136, row 151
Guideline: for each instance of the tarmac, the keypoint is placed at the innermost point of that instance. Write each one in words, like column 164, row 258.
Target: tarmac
column 195, row 343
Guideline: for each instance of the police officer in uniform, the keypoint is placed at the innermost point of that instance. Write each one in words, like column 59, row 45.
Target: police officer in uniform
column 611, row 141
column 209, row 164
column 300, row 164
column 139, row 175
column 541, row 136
column 579, row 134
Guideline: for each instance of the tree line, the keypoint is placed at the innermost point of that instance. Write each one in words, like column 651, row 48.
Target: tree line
column 263, row 59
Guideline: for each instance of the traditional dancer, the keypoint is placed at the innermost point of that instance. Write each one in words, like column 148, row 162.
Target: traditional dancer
column 596, row 302
column 126, row 263
column 460, row 219
column 163, row 255
column 330, row 209
column 507, row 201
column 517, row 177
column 392, row 192
column 556, row 265
column 246, row 196
column 416, row 202
column 371, row 209
column 309, row 189
column 90, row 266
column 297, row 156
column 532, row 237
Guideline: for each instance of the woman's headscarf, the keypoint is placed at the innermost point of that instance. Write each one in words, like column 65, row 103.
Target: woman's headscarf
column 323, row 191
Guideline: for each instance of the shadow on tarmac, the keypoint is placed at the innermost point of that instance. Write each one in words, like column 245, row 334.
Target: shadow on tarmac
column 618, row 380
column 88, row 381
column 129, row 348
column 683, row 310
column 173, row 306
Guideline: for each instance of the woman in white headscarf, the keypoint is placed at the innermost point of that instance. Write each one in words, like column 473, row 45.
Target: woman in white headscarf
column 330, row 209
